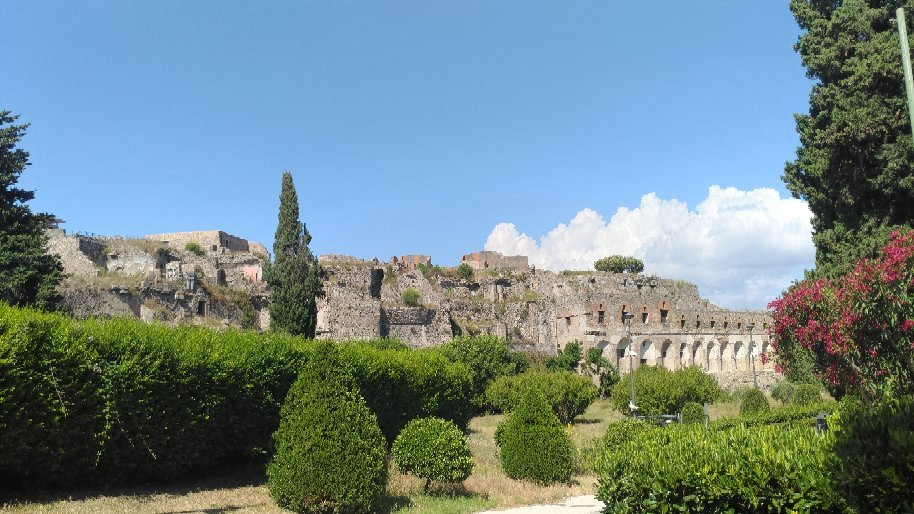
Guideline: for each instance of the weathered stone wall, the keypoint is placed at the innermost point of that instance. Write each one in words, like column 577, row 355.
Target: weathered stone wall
column 209, row 240
column 495, row 261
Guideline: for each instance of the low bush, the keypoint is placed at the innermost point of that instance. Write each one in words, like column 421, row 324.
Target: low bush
column 661, row 391
column 874, row 455
column 194, row 248
column 754, row 402
column 567, row 393
column 791, row 415
column 693, row 413
column 621, row 432
column 330, row 453
column 487, row 357
column 532, row 443
column 464, row 271
column 681, row 468
column 433, row 449
column 783, row 391
column 120, row 400
column 411, row 297
column 807, row 394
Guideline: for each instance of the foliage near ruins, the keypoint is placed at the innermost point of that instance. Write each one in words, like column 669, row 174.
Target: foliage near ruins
column 487, row 358
column 120, row 400
column 567, row 393
column 295, row 276
column 619, row 264
column 684, row 469
column 754, row 402
column 532, row 443
column 661, row 391
column 28, row 274
column 859, row 328
column 411, row 297
column 330, row 453
column 854, row 163
column 433, row 449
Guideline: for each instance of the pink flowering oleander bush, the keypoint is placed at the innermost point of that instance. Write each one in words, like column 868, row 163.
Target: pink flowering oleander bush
column 859, row 329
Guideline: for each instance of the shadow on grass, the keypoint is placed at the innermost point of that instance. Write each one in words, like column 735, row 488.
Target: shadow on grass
column 587, row 421
column 239, row 475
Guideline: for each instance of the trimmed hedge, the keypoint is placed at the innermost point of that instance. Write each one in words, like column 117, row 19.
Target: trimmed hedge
column 807, row 394
column 569, row 394
column 874, row 453
column 433, row 449
column 681, row 468
column 793, row 415
column 532, row 443
column 119, row 400
column 330, row 453
column 661, row 391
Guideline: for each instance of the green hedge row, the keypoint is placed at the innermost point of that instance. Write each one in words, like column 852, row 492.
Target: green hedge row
column 569, row 394
column 682, row 468
column 788, row 415
column 661, row 391
column 118, row 400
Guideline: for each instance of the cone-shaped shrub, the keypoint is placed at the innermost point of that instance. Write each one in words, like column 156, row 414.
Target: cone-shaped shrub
column 433, row 449
column 330, row 453
column 533, row 445
column 754, row 402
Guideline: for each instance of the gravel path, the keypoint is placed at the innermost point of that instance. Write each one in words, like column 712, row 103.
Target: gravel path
column 574, row 505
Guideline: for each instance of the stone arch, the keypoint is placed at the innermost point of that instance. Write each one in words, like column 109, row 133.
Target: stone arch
column 668, row 355
column 699, row 355
column 769, row 356
column 712, row 356
column 648, row 354
column 621, row 359
column 741, row 356
column 727, row 356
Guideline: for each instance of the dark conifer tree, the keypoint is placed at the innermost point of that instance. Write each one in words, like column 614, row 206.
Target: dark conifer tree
column 28, row 274
column 855, row 163
column 295, row 276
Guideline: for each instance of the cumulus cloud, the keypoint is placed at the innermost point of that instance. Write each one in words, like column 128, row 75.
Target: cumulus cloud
column 742, row 248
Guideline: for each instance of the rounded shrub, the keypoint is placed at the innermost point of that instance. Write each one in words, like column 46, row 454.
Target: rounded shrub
column 433, row 449
column 807, row 394
column 661, row 391
column 783, row 391
column 754, row 402
column 533, row 446
column 330, row 453
column 693, row 413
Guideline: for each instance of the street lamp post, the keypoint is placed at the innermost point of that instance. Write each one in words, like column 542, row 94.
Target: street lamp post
column 627, row 317
column 751, row 326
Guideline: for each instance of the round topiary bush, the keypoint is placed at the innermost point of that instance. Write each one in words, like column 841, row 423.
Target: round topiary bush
column 806, row 394
column 433, row 449
column 693, row 413
column 754, row 402
column 330, row 453
column 533, row 445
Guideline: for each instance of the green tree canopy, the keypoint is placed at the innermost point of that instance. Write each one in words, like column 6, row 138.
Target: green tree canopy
column 619, row 264
column 28, row 274
column 854, row 162
column 295, row 276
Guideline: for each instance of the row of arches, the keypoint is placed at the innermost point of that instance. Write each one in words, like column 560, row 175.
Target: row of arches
column 711, row 355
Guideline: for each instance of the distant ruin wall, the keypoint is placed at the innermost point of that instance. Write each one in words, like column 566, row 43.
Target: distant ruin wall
column 210, row 240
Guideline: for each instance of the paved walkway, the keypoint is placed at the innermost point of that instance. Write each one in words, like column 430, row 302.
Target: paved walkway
column 574, row 505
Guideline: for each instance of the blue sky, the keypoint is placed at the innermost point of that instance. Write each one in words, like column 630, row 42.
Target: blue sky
column 410, row 127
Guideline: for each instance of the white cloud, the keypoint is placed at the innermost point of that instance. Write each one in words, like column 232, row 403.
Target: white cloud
column 742, row 248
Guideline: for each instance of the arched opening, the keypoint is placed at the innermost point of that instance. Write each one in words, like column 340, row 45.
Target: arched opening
column 726, row 357
column 648, row 353
column 741, row 357
column 621, row 358
column 712, row 357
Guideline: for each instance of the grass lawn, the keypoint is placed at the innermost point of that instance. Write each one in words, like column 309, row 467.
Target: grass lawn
column 244, row 489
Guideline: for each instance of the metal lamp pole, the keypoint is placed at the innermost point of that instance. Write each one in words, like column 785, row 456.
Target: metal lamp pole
column 751, row 326
column 627, row 317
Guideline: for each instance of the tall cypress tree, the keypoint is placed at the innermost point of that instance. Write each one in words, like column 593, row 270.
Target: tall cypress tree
column 295, row 275
column 28, row 274
column 855, row 164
